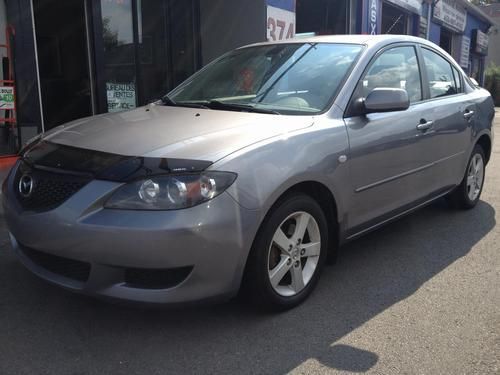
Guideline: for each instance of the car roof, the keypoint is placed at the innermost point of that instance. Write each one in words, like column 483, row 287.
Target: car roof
column 363, row 39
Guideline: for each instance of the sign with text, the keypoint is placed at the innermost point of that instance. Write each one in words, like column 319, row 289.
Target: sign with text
column 450, row 14
column 121, row 96
column 422, row 29
column 372, row 16
column 464, row 52
column 280, row 19
column 7, row 98
column 480, row 42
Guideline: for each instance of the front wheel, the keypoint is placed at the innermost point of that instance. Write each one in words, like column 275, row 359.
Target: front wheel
column 467, row 194
column 288, row 254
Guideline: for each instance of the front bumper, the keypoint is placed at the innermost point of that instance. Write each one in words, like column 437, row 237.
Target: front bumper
column 209, row 243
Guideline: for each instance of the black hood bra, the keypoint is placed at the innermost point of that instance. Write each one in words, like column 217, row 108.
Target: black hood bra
column 102, row 165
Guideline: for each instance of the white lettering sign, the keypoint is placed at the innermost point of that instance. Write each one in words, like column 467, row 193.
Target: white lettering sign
column 373, row 17
column 481, row 42
column 121, row 96
column 464, row 52
column 450, row 14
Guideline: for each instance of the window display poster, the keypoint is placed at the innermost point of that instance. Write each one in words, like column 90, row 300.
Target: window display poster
column 121, row 96
column 7, row 97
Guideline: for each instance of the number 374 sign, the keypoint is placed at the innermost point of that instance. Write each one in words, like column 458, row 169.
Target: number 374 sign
column 280, row 19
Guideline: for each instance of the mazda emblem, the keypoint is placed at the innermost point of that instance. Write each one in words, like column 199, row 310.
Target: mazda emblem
column 26, row 185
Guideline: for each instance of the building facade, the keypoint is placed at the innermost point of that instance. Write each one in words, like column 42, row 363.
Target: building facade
column 77, row 58
column 493, row 11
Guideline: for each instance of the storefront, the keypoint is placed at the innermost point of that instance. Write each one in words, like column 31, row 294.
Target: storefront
column 391, row 17
column 450, row 17
column 77, row 58
column 457, row 26
column 461, row 29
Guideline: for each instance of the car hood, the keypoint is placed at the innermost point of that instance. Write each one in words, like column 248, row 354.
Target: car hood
column 174, row 132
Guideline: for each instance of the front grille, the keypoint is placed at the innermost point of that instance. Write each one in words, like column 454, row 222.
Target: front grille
column 69, row 268
column 49, row 189
column 156, row 278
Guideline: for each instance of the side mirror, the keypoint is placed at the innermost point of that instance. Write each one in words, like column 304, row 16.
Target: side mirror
column 386, row 100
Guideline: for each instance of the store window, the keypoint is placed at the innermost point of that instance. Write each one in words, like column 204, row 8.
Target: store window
column 325, row 17
column 183, row 39
column 395, row 20
column 149, row 48
column 119, row 54
column 153, row 49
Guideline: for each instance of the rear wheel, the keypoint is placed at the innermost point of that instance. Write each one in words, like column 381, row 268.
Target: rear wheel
column 467, row 194
column 288, row 254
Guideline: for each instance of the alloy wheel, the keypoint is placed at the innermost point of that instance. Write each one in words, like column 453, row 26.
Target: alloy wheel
column 475, row 174
column 294, row 253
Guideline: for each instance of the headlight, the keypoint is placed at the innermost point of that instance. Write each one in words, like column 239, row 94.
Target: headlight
column 170, row 192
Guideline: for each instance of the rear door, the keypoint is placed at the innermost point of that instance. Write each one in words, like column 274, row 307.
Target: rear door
column 452, row 113
column 388, row 159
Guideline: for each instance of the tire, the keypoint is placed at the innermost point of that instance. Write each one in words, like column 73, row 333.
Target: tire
column 283, row 268
column 467, row 194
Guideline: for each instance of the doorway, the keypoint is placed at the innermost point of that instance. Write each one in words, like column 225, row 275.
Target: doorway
column 63, row 60
column 445, row 40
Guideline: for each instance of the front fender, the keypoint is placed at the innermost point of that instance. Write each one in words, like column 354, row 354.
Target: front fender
column 268, row 169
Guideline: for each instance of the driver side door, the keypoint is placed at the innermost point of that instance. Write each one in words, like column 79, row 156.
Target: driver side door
column 388, row 164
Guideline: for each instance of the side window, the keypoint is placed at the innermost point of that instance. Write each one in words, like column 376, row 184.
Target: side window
column 395, row 68
column 440, row 74
column 458, row 80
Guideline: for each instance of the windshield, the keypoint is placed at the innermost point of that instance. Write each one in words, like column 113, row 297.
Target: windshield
column 282, row 78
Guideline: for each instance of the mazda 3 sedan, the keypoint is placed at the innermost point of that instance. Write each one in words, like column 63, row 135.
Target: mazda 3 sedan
column 250, row 174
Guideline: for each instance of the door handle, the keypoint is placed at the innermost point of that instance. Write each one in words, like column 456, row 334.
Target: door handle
column 468, row 114
column 424, row 125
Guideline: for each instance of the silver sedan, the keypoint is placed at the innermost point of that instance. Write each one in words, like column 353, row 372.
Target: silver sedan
column 250, row 175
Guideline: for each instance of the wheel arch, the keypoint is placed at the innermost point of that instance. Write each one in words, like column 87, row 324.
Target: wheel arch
column 326, row 200
column 485, row 142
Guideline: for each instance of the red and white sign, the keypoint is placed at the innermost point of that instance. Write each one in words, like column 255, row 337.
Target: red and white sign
column 280, row 24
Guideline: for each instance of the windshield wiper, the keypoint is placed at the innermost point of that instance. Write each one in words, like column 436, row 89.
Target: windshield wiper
column 170, row 102
column 217, row 104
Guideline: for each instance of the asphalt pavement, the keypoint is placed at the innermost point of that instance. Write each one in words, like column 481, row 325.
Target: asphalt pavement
column 420, row 296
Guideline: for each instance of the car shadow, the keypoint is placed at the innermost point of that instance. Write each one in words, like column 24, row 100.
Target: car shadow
column 47, row 328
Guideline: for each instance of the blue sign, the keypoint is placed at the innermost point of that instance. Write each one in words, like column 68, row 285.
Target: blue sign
column 372, row 16
column 283, row 4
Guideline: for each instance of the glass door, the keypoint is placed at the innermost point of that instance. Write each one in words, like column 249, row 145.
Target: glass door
column 143, row 48
column 119, row 54
column 63, row 60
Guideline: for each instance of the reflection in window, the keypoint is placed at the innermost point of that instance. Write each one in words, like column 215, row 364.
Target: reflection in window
column 292, row 78
column 440, row 74
column 395, row 68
